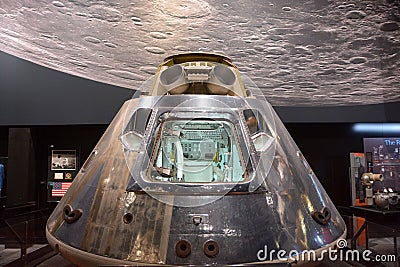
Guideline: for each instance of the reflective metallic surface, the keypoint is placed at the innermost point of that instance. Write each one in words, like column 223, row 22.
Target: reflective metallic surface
column 139, row 207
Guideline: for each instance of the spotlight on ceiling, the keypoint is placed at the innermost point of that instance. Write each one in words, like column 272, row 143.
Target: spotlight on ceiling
column 377, row 128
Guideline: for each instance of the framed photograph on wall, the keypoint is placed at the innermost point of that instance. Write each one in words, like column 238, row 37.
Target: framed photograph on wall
column 63, row 160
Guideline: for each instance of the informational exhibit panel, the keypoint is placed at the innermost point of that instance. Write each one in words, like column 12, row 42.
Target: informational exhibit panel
column 382, row 155
column 63, row 167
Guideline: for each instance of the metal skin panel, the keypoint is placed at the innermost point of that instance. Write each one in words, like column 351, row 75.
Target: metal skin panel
column 272, row 208
column 83, row 178
column 232, row 219
column 73, row 233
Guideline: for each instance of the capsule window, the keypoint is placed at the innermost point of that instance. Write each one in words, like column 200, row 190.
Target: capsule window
column 132, row 136
column 197, row 151
column 89, row 160
column 259, row 131
column 139, row 120
column 255, row 122
column 131, row 141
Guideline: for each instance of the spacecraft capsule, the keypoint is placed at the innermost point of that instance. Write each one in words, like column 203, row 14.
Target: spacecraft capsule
column 197, row 170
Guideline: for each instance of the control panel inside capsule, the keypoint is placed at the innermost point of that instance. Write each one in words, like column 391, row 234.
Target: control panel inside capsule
column 197, row 151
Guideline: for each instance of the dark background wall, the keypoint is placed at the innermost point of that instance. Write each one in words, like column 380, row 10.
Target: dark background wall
column 34, row 95
column 3, row 141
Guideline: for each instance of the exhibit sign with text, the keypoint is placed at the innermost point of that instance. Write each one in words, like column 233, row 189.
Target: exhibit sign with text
column 383, row 154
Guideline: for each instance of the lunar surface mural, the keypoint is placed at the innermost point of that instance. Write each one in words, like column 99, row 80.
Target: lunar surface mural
column 300, row 53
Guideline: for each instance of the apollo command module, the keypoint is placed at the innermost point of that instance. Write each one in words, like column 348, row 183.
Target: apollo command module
column 196, row 169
